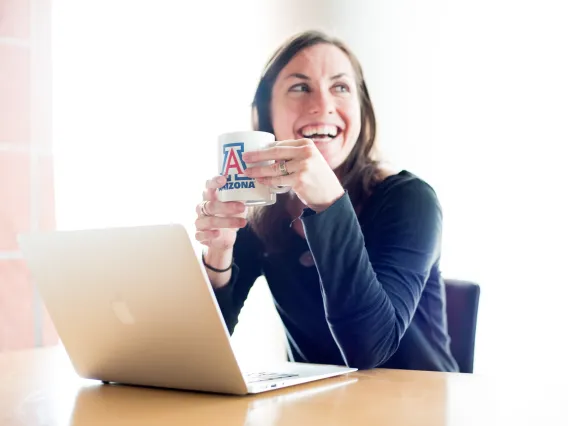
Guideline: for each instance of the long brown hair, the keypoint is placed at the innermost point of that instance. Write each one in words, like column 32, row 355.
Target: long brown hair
column 358, row 173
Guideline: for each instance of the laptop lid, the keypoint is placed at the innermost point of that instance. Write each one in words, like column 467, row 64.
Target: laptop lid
column 134, row 305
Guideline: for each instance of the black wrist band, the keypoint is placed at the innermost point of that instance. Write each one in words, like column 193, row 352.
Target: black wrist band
column 215, row 269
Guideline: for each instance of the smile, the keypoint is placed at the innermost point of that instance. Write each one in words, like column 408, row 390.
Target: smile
column 320, row 132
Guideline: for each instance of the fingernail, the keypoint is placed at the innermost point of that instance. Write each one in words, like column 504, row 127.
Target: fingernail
column 219, row 179
column 246, row 155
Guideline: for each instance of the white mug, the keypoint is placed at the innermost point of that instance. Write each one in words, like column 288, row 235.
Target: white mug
column 239, row 187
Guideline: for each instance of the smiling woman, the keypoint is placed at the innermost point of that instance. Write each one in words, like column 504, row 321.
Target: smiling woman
column 356, row 277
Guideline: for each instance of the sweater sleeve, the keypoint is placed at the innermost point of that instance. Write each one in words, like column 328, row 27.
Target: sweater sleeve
column 371, row 287
column 246, row 269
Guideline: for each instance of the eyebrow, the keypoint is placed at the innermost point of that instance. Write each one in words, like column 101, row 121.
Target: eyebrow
column 298, row 75
column 341, row 74
column 305, row 77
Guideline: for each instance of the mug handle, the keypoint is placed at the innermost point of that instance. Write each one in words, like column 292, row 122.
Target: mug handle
column 280, row 189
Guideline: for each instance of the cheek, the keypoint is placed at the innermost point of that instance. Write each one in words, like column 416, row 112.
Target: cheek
column 283, row 119
column 352, row 115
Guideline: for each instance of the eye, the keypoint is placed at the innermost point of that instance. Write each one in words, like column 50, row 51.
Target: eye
column 341, row 88
column 302, row 87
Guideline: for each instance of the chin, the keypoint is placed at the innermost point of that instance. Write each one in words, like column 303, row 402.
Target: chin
column 334, row 160
column 333, row 151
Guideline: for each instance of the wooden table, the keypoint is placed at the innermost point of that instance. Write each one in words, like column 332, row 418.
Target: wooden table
column 39, row 387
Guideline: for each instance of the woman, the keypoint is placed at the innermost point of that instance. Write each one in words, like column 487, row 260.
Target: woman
column 351, row 254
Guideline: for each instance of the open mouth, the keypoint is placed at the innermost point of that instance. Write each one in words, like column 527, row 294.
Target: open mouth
column 320, row 133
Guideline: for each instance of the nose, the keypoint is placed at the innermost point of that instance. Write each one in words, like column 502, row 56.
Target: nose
column 320, row 103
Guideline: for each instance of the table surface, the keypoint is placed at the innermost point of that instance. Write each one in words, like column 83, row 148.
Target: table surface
column 40, row 387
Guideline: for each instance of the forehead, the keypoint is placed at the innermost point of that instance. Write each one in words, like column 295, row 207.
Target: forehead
column 319, row 61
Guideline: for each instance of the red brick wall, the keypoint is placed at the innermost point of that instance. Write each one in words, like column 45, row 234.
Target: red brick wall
column 26, row 173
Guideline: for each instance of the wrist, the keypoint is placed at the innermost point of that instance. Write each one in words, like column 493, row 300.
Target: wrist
column 217, row 269
column 217, row 258
column 336, row 195
column 218, row 264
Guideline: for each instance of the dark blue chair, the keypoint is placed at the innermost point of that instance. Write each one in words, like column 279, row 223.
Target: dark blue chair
column 462, row 302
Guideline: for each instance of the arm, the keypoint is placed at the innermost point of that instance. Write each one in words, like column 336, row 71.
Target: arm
column 371, row 288
column 246, row 269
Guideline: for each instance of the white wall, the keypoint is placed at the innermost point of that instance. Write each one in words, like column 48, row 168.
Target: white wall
column 472, row 96
column 140, row 94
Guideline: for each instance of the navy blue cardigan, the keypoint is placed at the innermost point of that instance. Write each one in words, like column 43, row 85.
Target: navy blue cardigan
column 373, row 295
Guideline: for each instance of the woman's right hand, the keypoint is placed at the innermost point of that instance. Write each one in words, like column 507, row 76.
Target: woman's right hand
column 217, row 221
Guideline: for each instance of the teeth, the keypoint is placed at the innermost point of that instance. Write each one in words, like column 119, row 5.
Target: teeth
column 320, row 130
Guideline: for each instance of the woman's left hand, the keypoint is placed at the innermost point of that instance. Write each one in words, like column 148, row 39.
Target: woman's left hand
column 299, row 165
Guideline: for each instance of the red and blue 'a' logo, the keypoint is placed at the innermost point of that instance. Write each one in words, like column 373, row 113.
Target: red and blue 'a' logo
column 234, row 166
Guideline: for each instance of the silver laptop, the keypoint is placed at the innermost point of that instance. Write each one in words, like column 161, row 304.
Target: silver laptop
column 133, row 305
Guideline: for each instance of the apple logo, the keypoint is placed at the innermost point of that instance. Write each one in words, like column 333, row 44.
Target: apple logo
column 122, row 312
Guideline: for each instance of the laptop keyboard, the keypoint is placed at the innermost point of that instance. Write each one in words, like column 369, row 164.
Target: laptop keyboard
column 265, row 376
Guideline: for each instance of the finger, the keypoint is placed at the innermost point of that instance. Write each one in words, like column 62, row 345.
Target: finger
column 211, row 186
column 216, row 182
column 224, row 208
column 207, row 235
column 294, row 142
column 277, row 180
column 279, row 152
column 205, row 223
column 273, row 169
column 209, row 194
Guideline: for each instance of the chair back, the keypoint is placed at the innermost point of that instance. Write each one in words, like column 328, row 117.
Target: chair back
column 462, row 301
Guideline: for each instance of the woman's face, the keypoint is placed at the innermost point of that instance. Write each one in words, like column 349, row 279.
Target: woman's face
column 315, row 96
